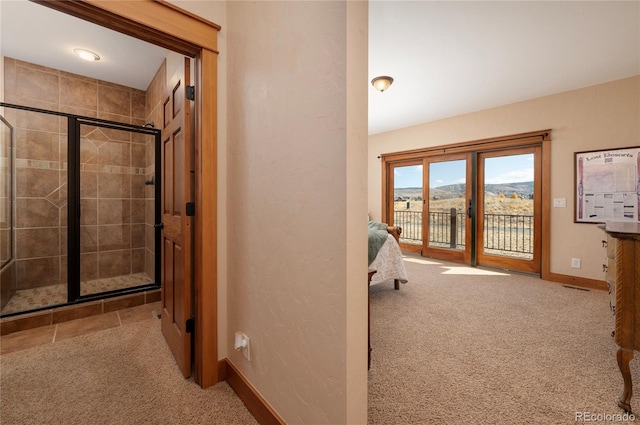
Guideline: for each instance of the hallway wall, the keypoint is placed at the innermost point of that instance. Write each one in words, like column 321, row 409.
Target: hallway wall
column 296, row 190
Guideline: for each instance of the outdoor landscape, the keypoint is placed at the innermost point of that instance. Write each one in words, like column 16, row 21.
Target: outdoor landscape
column 509, row 198
column 508, row 220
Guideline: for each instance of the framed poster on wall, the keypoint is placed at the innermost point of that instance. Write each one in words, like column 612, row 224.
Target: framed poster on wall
column 607, row 185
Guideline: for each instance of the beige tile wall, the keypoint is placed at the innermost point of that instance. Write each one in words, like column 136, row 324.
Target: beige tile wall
column 114, row 167
column 154, row 103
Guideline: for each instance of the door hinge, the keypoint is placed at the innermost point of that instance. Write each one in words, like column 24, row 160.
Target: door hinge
column 190, row 92
column 191, row 209
column 190, row 325
column 159, row 226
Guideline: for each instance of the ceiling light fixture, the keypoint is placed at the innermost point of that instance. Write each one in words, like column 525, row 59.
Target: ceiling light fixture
column 87, row 55
column 381, row 83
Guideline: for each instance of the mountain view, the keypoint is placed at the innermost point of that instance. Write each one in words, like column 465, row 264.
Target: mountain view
column 523, row 189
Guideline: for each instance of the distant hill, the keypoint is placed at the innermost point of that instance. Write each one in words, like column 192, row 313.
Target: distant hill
column 523, row 189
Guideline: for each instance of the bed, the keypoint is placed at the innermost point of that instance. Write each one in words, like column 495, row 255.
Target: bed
column 384, row 254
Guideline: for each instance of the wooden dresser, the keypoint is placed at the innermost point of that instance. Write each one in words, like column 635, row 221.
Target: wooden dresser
column 625, row 236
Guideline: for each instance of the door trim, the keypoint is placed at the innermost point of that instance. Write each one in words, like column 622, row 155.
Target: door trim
column 155, row 21
column 492, row 143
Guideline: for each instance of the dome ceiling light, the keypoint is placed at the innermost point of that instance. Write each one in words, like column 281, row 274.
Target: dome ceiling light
column 382, row 83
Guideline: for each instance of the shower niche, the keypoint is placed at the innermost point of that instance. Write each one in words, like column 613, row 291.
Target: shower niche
column 80, row 199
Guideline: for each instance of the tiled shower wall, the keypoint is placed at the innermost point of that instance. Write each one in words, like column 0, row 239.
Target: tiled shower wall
column 154, row 109
column 114, row 167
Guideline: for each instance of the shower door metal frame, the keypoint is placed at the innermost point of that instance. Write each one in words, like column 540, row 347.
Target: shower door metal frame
column 11, row 193
column 73, row 204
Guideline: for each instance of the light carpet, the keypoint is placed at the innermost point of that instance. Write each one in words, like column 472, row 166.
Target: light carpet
column 461, row 345
column 124, row 375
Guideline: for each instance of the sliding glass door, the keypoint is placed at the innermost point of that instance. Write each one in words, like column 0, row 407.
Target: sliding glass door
column 447, row 232
column 509, row 209
column 407, row 182
column 478, row 207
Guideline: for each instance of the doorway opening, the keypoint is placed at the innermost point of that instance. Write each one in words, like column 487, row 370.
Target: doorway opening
column 168, row 26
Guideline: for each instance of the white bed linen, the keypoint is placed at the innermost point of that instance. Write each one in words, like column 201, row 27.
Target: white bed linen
column 389, row 263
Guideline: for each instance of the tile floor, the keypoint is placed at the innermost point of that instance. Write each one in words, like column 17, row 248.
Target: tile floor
column 50, row 334
column 28, row 299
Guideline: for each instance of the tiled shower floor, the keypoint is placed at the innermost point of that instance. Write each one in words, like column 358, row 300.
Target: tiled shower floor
column 28, row 299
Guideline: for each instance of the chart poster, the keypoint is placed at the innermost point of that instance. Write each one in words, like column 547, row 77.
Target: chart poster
column 607, row 185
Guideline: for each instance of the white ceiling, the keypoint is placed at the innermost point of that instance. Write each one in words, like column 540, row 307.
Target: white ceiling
column 450, row 58
column 40, row 35
column 447, row 58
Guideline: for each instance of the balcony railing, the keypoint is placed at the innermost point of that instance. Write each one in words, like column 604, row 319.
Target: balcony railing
column 510, row 233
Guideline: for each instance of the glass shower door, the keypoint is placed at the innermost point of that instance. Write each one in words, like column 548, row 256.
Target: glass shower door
column 84, row 200
column 6, row 192
column 35, row 275
column 117, row 209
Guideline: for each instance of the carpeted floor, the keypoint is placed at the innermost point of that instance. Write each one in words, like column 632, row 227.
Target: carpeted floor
column 455, row 345
column 124, row 375
column 460, row 345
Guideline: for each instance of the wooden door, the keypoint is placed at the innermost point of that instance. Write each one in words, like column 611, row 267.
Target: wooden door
column 176, row 234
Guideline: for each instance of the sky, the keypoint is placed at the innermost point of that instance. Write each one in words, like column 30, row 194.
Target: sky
column 503, row 169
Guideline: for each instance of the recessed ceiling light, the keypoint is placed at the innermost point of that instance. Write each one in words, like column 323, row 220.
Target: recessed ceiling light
column 87, row 55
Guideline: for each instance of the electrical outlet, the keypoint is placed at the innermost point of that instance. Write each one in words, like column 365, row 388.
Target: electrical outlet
column 575, row 263
column 246, row 349
column 241, row 343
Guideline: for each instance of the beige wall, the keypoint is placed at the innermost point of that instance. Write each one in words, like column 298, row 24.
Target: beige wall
column 2, row 79
column 291, row 170
column 356, row 168
column 599, row 117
